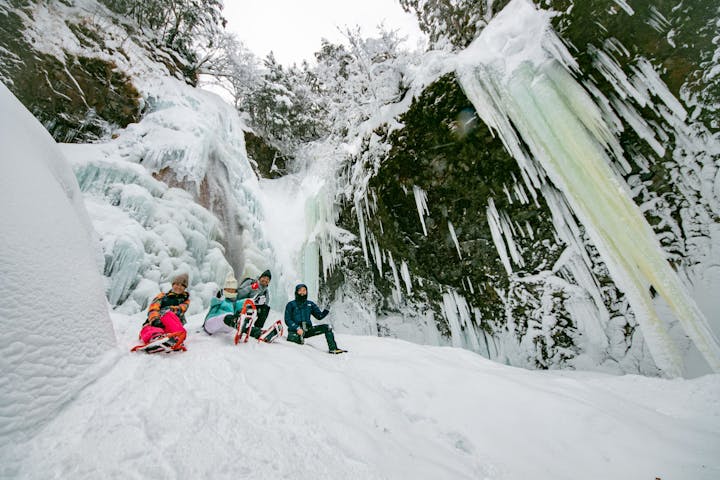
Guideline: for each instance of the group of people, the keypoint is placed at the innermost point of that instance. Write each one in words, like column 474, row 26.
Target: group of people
column 164, row 328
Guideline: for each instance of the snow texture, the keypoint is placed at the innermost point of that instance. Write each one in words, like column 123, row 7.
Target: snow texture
column 53, row 316
column 281, row 410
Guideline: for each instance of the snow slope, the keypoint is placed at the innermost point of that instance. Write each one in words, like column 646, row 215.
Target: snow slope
column 388, row 409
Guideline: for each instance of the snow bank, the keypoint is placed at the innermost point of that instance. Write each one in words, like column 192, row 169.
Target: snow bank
column 53, row 315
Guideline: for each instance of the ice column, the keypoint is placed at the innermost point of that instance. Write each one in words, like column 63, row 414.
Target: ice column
column 516, row 75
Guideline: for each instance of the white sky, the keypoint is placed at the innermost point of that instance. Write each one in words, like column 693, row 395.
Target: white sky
column 293, row 29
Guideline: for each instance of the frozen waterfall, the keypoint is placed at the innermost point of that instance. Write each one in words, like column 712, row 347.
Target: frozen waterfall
column 518, row 76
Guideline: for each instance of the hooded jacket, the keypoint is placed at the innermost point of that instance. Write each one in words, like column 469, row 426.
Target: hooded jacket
column 299, row 311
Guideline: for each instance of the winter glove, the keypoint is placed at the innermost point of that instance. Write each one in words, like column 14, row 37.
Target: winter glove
column 157, row 323
column 260, row 300
column 254, row 285
column 231, row 320
column 325, row 312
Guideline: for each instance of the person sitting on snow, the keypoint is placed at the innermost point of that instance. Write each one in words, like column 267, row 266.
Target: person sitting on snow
column 225, row 310
column 225, row 304
column 297, row 319
column 257, row 291
column 166, row 315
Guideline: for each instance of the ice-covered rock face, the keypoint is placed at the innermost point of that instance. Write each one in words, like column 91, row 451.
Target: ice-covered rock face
column 566, row 280
column 53, row 316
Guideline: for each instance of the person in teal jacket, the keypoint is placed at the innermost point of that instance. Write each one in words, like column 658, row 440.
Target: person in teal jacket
column 225, row 304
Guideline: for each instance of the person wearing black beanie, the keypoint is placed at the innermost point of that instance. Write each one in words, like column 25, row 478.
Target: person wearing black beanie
column 257, row 291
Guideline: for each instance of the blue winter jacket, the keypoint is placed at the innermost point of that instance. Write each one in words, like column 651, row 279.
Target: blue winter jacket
column 296, row 314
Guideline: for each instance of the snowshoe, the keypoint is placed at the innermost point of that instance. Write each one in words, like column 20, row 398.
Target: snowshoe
column 170, row 342
column 336, row 351
column 245, row 321
column 272, row 333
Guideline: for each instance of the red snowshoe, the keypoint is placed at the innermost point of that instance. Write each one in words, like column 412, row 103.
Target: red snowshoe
column 245, row 321
column 272, row 333
column 169, row 342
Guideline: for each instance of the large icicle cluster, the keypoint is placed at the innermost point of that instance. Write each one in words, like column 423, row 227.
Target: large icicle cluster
column 518, row 76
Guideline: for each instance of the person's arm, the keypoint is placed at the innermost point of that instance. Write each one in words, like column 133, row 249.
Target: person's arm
column 212, row 311
column 290, row 318
column 154, row 308
column 316, row 312
column 184, row 306
column 245, row 289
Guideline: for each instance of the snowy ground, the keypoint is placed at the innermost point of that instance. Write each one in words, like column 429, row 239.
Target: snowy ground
column 388, row 409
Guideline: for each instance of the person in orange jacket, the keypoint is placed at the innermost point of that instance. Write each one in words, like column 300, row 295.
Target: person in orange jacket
column 166, row 314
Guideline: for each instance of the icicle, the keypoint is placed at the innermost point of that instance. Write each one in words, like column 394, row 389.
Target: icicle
column 405, row 274
column 624, row 5
column 377, row 254
column 528, row 92
column 457, row 313
column 397, row 293
column 529, row 229
column 470, row 285
column 421, row 203
column 496, row 232
column 363, row 232
column 454, row 238
column 507, row 194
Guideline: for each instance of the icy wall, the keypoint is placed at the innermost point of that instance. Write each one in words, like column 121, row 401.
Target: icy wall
column 175, row 192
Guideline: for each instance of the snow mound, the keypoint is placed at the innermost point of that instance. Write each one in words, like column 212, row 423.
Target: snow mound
column 53, row 316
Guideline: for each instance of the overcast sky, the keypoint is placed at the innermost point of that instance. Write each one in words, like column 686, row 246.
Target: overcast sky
column 292, row 29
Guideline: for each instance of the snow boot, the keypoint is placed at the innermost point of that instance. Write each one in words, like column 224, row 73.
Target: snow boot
column 295, row 338
column 335, row 351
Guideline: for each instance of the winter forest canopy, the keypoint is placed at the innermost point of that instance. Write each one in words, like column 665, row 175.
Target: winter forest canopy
column 540, row 186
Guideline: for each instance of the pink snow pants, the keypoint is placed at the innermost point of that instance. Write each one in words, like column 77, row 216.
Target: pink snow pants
column 172, row 325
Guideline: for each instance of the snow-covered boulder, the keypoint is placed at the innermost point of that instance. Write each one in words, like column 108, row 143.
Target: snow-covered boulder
column 54, row 319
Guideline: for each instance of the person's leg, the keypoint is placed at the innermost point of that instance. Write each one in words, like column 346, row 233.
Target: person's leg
column 327, row 330
column 217, row 324
column 172, row 323
column 263, row 311
column 255, row 332
column 148, row 332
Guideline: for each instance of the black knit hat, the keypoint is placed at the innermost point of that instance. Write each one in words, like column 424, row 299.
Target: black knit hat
column 266, row 273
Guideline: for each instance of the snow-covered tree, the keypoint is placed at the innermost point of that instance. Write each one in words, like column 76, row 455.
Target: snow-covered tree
column 455, row 21
column 188, row 27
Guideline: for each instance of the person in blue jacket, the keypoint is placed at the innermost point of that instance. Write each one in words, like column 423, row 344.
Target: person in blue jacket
column 297, row 319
